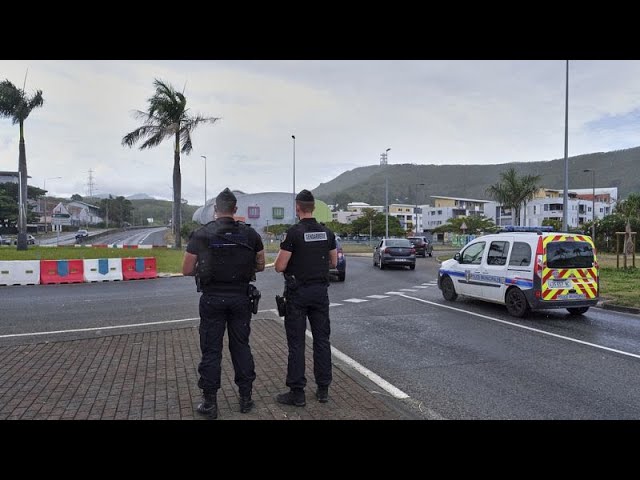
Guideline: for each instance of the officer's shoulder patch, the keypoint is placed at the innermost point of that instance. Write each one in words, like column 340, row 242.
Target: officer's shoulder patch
column 315, row 236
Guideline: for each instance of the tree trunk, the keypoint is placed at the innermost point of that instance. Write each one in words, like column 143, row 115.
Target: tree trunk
column 22, row 213
column 177, row 194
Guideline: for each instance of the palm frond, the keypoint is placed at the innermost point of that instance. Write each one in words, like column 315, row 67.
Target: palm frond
column 36, row 101
column 156, row 139
column 185, row 140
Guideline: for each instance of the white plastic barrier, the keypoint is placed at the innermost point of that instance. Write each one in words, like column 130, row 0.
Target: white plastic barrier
column 20, row 272
column 102, row 269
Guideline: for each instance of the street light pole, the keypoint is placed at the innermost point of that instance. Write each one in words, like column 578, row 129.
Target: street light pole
column 44, row 187
column 416, row 210
column 386, row 193
column 565, row 203
column 593, row 203
column 294, row 178
column 205, row 178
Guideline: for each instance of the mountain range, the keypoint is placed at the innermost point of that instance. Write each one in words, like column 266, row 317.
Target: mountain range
column 619, row 168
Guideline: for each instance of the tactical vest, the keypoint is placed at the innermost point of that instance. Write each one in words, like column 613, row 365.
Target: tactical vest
column 310, row 261
column 225, row 256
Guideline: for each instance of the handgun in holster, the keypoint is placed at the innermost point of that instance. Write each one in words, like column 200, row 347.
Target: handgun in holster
column 281, row 303
column 254, row 296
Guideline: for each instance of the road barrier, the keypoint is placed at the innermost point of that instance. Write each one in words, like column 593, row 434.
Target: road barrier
column 139, row 268
column 102, row 269
column 20, row 272
column 61, row 271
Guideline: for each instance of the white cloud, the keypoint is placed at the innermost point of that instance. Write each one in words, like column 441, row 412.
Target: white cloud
column 343, row 113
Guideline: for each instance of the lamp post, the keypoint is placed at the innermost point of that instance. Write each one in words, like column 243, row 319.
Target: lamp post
column 205, row 178
column 416, row 210
column 294, row 178
column 386, row 195
column 565, row 202
column 44, row 187
column 593, row 202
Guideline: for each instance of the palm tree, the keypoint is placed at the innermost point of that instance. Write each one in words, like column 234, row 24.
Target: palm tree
column 168, row 117
column 17, row 105
column 512, row 191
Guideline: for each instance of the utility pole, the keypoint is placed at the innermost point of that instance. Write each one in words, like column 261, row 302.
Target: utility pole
column 565, row 203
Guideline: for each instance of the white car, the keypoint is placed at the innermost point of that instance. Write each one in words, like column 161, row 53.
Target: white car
column 31, row 240
column 525, row 269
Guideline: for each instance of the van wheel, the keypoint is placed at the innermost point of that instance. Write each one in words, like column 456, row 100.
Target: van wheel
column 448, row 290
column 516, row 302
column 380, row 264
column 578, row 310
column 412, row 267
column 341, row 276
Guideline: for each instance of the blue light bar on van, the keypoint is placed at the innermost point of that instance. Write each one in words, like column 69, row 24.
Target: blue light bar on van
column 513, row 228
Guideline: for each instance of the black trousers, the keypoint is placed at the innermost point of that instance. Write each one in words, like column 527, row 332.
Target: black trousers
column 216, row 312
column 312, row 302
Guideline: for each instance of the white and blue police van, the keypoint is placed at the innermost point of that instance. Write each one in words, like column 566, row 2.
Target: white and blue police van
column 525, row 268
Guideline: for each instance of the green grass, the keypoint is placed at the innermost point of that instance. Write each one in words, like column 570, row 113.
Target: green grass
column 620, row 286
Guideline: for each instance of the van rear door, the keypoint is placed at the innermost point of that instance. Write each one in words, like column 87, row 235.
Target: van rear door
column 570, row 268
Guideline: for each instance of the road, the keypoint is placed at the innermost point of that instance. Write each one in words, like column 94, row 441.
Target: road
column 460, row 360
column 132, row 236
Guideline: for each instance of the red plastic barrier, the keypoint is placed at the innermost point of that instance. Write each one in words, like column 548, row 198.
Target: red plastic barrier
column 139, row 268
column 61, row 271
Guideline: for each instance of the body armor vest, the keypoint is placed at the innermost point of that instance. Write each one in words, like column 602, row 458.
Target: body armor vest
column 227, row 258
column 310, row 263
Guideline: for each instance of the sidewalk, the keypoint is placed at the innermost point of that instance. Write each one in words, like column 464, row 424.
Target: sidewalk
column 152, row 375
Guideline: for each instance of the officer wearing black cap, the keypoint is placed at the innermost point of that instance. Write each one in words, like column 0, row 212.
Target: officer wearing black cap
column 224, row 255
column 305, row 256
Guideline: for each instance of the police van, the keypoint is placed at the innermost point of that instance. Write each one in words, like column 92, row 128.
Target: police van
column 525, row 268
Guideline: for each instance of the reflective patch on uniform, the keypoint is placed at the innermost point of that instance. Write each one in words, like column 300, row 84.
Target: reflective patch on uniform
column 315, row 236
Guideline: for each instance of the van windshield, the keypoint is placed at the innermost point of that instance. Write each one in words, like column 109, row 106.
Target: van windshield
column 569, row 255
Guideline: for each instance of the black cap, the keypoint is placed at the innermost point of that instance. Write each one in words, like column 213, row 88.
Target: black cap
column 226, row 195
column 305, row 196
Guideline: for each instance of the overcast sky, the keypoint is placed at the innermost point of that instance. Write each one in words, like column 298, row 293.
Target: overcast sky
column 344, row 114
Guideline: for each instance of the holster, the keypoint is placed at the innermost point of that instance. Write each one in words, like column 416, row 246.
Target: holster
column 254, row 296
column 281, row 303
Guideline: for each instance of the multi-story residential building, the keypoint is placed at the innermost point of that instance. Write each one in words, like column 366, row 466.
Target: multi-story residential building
column 446, row 208
column 548, row 203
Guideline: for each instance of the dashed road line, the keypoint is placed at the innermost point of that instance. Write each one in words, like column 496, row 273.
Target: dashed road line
column 355, row 300
column 377, row 296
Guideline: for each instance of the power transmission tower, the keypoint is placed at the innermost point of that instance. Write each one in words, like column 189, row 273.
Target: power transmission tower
column 91, row 185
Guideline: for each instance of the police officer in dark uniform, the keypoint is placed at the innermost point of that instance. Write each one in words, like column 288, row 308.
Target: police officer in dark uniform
column 224, row 256
column 305, row 256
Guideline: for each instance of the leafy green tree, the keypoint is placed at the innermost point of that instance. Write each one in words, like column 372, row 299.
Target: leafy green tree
column 513, row 191
column 556, row 223
column 17, row 105
column 168, row 117
column 9, row 204
column 630, row 209
column 76, row 197
column 341, row 200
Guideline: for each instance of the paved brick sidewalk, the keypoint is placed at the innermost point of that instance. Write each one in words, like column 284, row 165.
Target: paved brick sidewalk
column 153, row 375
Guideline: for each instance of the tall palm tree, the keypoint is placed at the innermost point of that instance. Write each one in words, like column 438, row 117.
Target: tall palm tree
column 168, row 117
column 512, row 191
column 17, row 105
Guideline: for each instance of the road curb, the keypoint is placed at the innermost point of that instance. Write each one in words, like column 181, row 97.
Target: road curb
column 619, row 308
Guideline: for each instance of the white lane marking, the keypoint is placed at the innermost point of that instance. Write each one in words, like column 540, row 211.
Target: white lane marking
column 420, row 286
column 394, row 293
column 375, row 378
column 407, row 290
column 335, row 304
column 377, row 296
column 355, row 300
column 602, row 347
column 93, row 329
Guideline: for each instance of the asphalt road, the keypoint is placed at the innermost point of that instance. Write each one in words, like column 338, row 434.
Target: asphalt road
column 133, row 236
column 456, row 364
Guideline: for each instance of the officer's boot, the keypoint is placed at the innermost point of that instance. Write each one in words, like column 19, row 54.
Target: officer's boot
column 246, row 403
column 322, row 393
column 292, row 397
column 209, row 405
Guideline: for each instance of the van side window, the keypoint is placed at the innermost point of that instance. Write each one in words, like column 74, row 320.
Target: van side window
column 498, row 253
column 520, row 255
column 473, row 254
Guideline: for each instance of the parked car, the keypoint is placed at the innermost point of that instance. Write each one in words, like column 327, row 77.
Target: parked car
column 341, row 268
column 394, row 251
column 5, row 240
column 31, row 240
column 423, row 246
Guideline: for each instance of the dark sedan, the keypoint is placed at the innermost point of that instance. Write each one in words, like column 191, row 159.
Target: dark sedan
column 394, row 251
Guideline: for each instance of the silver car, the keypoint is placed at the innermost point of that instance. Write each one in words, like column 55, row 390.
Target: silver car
column 394, row 251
